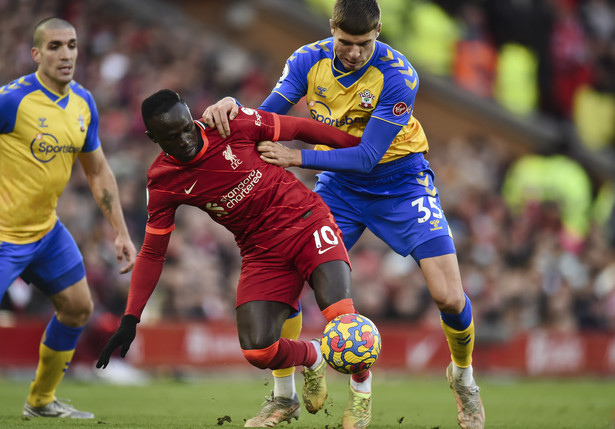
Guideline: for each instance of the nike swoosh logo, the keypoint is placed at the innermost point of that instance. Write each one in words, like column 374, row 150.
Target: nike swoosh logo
column 321, row 251
column 187, row 191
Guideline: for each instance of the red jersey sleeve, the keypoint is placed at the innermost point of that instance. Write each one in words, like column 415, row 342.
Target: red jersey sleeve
column 314, row 132
column 146, row 272
column 271, row 126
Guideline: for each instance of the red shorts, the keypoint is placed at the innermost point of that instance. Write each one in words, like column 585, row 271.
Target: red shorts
column 279, row 273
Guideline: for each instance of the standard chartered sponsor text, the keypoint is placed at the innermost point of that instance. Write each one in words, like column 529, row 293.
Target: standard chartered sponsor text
column 242, row 189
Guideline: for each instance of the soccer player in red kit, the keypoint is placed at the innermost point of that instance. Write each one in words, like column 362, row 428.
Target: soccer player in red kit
column 286, row 233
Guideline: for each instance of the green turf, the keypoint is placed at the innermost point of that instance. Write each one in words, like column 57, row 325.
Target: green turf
column 399, row 402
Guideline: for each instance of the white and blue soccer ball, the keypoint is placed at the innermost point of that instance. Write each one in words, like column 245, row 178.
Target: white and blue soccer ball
column 350, row 343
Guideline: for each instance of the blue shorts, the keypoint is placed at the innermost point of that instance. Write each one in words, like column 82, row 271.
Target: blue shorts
column 52, row 263
column 397, row 201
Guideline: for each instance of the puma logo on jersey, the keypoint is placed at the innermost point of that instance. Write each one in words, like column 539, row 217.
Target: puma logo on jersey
column 187, row 191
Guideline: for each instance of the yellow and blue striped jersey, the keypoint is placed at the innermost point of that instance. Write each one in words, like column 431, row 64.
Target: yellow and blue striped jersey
column 384, row 89
column 41, row 134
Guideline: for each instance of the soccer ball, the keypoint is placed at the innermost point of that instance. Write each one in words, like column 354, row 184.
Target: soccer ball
column 350, row 343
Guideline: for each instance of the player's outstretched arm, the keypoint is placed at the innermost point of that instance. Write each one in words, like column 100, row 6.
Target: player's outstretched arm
column 105, row 191
column 220, row 114
column 124, row 336
column 307, row 130
column 145, row 276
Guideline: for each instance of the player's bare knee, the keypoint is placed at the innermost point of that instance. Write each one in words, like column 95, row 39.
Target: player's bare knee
column 256, row 339
column 450, row 304
column 75, row 314
column 87, row 310
column 258, row 345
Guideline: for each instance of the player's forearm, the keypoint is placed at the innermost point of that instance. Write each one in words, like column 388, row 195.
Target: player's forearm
column 105, row 190
column 145, row 276
column 146, row 273
column 314, row 132
column 352, row 160
column 376, row 139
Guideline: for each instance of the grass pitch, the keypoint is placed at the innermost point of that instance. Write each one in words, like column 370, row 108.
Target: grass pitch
column 399, row 401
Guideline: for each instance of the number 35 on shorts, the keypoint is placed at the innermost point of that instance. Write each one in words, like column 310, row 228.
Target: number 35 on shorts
column 429, row 211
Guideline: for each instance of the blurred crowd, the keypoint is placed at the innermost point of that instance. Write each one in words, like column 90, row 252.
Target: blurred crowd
column 536, row 58
column 526, row 259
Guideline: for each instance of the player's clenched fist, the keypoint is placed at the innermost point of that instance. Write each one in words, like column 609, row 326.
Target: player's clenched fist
column 124, row 336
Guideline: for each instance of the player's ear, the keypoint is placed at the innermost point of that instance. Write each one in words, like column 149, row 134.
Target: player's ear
column 36, row 54
column 151, row 136
column 331, row 26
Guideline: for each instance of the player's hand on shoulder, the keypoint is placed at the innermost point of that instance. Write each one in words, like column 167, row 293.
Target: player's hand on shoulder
column 124, row 336
column 278, row 154
column 125, row 251
column 220, row 114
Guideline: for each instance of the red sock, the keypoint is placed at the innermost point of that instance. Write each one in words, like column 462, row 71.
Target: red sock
column 343, row 306
column 292, row 353
column 360, row 377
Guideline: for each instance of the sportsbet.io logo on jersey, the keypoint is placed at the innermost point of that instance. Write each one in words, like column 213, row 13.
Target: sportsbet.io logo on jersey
column 327, row 116
column 45, row 147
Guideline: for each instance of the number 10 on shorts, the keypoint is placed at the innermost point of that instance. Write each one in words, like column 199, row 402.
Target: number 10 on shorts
column 326, row 235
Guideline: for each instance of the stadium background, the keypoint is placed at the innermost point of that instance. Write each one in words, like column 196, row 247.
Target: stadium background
column 517, row 100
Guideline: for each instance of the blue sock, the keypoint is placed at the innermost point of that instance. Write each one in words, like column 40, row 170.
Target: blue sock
column 460, row 321
column 61, row 337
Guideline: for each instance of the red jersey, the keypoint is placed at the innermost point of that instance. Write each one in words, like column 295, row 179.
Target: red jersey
column 260, row 203
column 228, row 180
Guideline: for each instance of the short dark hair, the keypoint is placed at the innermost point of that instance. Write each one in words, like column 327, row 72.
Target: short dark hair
column 51, row 23
column 356, row 17
column 159, row 103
